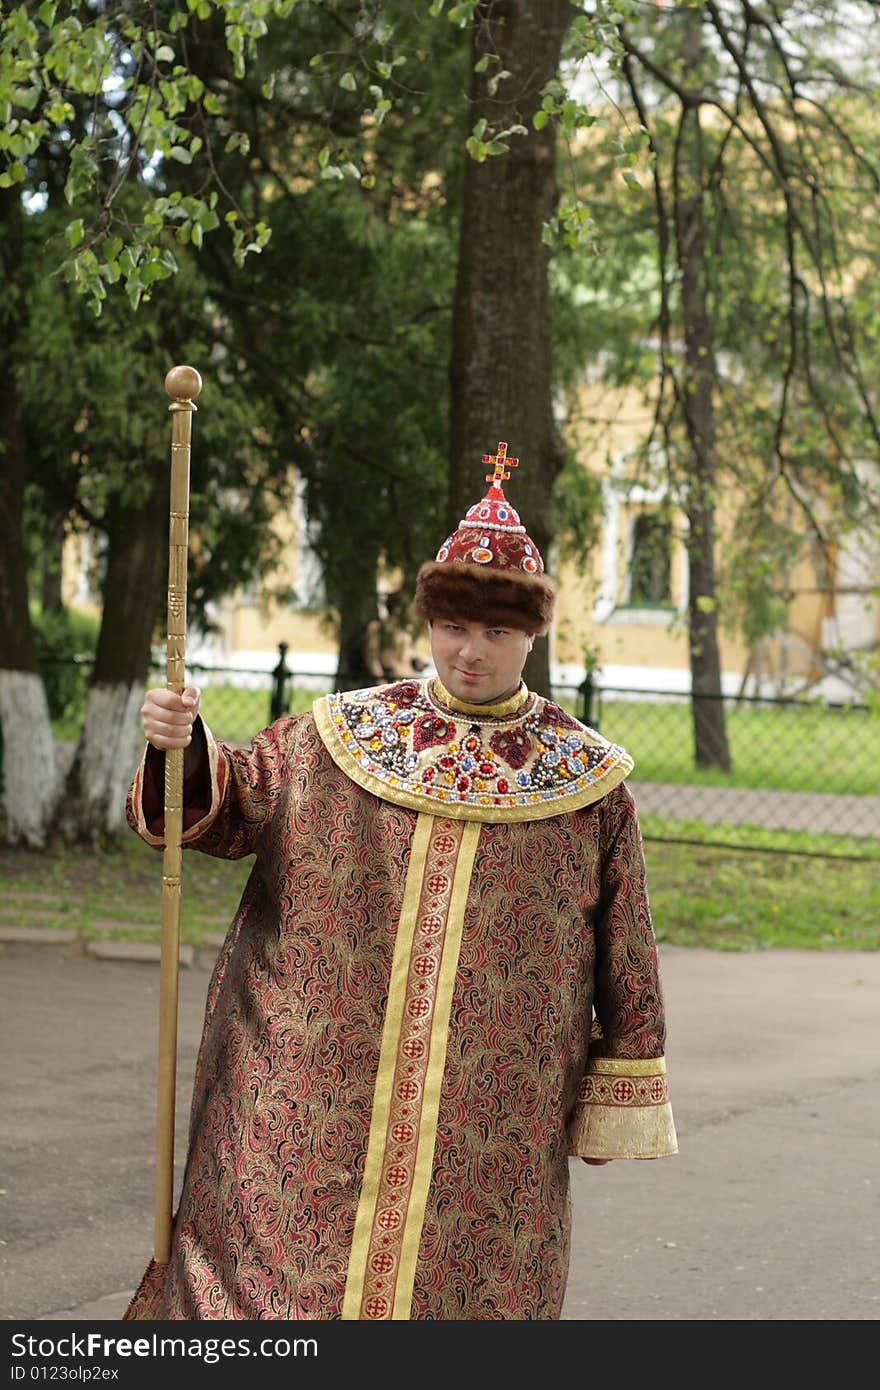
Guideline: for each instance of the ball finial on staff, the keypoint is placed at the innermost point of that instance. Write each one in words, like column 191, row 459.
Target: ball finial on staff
column 183, row 383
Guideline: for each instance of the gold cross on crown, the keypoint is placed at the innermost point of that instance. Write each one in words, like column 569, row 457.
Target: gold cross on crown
column 500, row 462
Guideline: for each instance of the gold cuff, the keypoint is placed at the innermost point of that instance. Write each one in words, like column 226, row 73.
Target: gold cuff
column 623, row 1111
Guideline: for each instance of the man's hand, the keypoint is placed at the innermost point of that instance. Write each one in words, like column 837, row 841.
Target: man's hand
column 168, row 718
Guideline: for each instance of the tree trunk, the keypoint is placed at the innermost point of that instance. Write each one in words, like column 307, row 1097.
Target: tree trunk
column 710, row 730
column 351, row 589
column 51, row 567
column 111, row 740
column 352, row 670
column 501, row 359
column 30, row 773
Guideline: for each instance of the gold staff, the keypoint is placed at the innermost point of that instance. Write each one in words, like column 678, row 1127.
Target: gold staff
column 183, row 384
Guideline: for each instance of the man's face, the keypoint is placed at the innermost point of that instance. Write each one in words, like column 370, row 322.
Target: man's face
column 479, row 664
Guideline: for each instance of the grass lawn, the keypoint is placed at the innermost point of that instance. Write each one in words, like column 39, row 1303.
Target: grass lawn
column 234, row 713
column 805, row 748
column 742, row 900
column 789, row 749
column 702, row 894
column 726, row 900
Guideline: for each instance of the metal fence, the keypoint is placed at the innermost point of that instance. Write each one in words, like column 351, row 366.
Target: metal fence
column 804, row 776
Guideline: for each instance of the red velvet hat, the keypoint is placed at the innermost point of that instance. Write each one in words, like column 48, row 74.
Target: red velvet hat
column 489, row 570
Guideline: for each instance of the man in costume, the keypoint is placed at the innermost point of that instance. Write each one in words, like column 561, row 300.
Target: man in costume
column 440, row 984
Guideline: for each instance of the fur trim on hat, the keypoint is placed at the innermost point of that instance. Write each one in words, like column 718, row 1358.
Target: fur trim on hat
column 468, row 593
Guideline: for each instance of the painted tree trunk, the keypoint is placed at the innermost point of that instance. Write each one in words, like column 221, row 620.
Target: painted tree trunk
column 30, row 774
column 107, row 754
column 710, row 729
column 30, row 777
column 501, row 359
column 134, row 589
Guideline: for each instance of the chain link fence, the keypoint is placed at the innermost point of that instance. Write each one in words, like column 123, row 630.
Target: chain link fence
column 804, row 778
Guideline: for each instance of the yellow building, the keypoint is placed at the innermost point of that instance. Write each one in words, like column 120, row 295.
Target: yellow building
column 627, row 610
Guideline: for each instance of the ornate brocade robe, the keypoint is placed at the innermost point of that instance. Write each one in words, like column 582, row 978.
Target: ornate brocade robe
column 441, row 982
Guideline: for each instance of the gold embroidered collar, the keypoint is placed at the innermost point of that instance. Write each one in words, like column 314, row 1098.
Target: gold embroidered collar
column 509, row 706
column 413, row 743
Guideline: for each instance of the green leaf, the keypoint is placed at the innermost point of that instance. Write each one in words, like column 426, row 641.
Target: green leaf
column 631, row 179
column 164, row 54
column 493, row 83
column 154, row 270
column 26, row 97
column 75, row 232
column 347, row 81
column 81, row 173
column 14, row 174
column 368, row 181
column 540, row 119
column 181, row 154
column 46, row 13
column 59, row 111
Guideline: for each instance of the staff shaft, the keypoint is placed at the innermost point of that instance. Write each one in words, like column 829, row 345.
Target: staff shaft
column 180, row 386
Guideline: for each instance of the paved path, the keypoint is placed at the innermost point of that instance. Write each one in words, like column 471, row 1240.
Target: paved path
column 769, row 1212
column 818, row 812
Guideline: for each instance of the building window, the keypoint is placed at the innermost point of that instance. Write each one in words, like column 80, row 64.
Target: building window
column 649, row 565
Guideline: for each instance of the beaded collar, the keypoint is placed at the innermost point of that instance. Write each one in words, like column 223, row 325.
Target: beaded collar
column 413, row 743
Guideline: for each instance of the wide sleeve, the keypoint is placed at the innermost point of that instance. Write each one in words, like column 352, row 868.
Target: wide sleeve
column 623, row 1108
column 230, row 795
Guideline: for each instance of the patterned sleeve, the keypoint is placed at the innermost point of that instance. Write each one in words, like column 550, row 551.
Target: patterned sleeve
column 623, row 1108
column 230, row 798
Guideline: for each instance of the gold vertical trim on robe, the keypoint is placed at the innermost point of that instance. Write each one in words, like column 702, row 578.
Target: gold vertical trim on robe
column 403, row 1128
column 387, row 1060
column 436, row 1066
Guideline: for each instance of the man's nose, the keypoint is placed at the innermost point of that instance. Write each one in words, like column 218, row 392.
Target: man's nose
column 472, row 647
